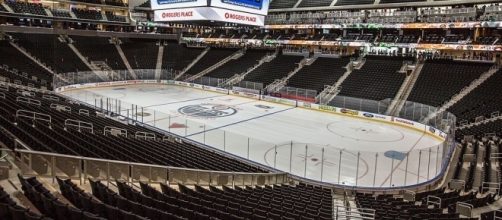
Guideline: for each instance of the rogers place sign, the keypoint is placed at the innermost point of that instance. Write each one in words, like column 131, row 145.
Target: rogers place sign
column 177, row 14
column 232, row 16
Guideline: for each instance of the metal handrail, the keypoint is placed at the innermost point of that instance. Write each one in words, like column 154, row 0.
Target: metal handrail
column 437, row 201
column 33, row 115
column 342, row 212
column 79, row 124
column 129, row 163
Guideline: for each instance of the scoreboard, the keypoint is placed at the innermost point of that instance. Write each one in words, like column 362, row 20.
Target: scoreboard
column 249, row 12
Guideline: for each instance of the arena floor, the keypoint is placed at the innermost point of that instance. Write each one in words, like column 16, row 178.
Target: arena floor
column 240, row 125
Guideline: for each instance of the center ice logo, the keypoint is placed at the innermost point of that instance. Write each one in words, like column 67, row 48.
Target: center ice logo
column 207, row 110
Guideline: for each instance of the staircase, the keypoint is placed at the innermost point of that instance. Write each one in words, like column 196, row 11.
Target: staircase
column 452, row 165
column 400, row 99
column 479, row 169
column 72, row 15
column 23, row 51
column 330, row 92
column 403, row 87
column 6, row 6
column 95, row 66
column 34, row 59
column 222, row 62
column 239, row 77
column 345, row 208
column 465, row 91
column 103, row 14
column 192, row 63
column 84, row 59
column 158, row 66
column 359, row 63
column 126, row 62
column 280, row 83
column 105, row 72
column 48, row 12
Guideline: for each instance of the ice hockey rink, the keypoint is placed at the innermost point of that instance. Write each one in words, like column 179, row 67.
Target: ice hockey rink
column 313, row 144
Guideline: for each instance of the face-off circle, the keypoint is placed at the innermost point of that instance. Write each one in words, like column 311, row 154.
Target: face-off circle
column 296, row 154
column 207, row 110
column 365, row 131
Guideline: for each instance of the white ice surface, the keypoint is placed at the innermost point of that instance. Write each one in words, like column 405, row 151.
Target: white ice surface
column 276, row 127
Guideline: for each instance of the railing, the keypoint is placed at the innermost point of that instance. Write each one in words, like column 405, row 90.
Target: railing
column 118, row 75
column 28, row 101
column 145, row 135
column 497, row 215
column 343, row 212
column 83, row 112
column 35, row 116
column 434, row 200
column 80, row 125
column 287, row 92
column 80, row 168
column 495, row 187
column 50, row 98
column 25, row 93
column 114, row 131
column 59, row 107
column 208, row 81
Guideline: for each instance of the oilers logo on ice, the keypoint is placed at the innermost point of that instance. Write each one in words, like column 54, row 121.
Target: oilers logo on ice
column 207, row 110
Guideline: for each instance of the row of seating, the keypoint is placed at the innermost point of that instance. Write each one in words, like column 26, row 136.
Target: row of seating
column 279, row 4
column 21, row 78
column 213, row 56
column 110, row 16
column 52, row 51
column 87, row 14
column 269, row 202
column 176, row 56
column 278, row 68
column 322, row 72
column 49, row 205
column 9, row 209
column 491, row 126
column 86, row 202
column 388, row 207
column 361, row 82
column 481, row 101
column 93, row 47
column 141, row 208
column 277, row 202
column 61, row 13
column 439, row 80
column 106, row 2
column 14, row 59
column 27, row 7
column 141, row 54
column 238, row 66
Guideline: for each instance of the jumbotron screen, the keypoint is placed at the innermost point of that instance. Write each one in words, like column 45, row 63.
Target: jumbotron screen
column 248, row 12
column 170, row 4
column 250, row 6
